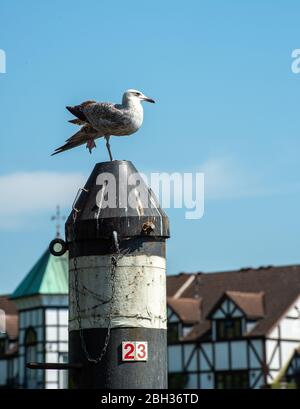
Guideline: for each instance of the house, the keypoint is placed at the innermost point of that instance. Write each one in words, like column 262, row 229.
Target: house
column 235, row 329
column 246, row 328
column 37, row 326
column 9, row 343
column 292, row 373
column 289, row 376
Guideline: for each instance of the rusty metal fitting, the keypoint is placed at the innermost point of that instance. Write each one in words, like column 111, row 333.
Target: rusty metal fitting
column 148, row 227
column 63, row 247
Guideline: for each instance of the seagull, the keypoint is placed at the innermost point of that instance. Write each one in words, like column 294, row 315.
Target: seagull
column 104, row 119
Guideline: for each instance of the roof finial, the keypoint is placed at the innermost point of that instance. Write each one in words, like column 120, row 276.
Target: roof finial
column 58, row 218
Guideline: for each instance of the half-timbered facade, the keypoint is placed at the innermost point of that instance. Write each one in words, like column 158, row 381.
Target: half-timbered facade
column 40, row 334
column 248, row 327
column 291, row 374
column 238, row 329
column 8, row 343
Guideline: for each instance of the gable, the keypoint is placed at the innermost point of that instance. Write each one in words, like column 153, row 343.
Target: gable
column 280, row 285
column 227, row 309
column 188, row 310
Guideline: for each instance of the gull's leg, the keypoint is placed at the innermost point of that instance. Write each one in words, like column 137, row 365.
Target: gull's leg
column 108, row 147
column 90, row 144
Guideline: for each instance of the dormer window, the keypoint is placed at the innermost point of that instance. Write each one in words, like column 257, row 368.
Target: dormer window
column 186, row 329
column 30, row 343
column 228, row 328
column 235, row 314
column 183, row 314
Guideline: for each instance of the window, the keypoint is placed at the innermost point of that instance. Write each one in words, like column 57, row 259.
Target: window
column 30, row 356
column 173, row 332
column 63, row 375
column 177, row 380
column 186, row 329
column 231, row 380
column 2, row 347
column 229, row 328
column 30, row 337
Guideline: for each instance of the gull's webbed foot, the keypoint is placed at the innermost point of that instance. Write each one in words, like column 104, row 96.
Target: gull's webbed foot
column 90, row 145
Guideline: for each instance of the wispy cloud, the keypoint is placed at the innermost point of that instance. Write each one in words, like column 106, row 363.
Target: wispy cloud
column 26, row 193
column 229, row 178
column 225, row 178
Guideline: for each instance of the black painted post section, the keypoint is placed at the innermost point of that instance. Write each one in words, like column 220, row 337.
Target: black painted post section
column 116, row 237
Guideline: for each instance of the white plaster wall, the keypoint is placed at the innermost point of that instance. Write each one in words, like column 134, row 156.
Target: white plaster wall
column 203, row 364
column 222, row 356
column 256, row 379
column 254, row 361
column 174, row 358
column 188, row 350
column 239, row 354
column 270, row 346
column 290, row 329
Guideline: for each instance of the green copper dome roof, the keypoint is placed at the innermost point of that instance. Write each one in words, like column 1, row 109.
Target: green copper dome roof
column 48, row 276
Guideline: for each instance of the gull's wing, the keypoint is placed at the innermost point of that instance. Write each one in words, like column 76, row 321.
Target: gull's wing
column 103, row 115
column 79, row 138
column 77, row 110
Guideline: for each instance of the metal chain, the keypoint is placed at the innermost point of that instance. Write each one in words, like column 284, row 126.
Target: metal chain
column 114, row 262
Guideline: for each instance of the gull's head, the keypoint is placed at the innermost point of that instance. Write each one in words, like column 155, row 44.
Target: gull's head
column 132, row 95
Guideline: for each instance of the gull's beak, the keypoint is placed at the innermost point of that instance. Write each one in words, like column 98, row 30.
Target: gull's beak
column 144, row 98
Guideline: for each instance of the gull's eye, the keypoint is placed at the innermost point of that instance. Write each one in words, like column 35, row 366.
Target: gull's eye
column 137, row 94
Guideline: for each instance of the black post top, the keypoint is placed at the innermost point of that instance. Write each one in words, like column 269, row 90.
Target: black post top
column 116, row 198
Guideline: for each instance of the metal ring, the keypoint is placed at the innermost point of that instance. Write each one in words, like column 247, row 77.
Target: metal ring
column 64, row 247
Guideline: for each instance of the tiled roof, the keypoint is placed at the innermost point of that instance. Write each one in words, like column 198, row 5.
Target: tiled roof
column 48, row 276
column 11, row 316
column 252, row 304
column 175, row 282
column 280, row 287
column 187, row 309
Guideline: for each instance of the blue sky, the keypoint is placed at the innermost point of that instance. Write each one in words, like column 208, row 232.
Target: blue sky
column 227, row 104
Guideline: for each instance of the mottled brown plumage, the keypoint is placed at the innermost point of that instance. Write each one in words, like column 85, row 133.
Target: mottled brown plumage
column 103, row 119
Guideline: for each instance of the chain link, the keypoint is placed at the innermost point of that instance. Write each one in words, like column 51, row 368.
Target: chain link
column 114, row 262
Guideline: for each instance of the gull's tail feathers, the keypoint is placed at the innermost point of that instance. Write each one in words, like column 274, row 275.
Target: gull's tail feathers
column 81, row 137
column 77, row 122
column 76, row 111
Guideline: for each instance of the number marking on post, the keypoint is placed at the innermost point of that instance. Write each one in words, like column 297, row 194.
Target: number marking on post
column 134, row 351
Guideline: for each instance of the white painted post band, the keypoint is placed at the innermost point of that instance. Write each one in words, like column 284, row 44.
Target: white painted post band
column 140, row 292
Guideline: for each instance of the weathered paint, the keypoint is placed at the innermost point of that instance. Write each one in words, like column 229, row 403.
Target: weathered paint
column 122, row 303
column 140, row 292
column 111, row 372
